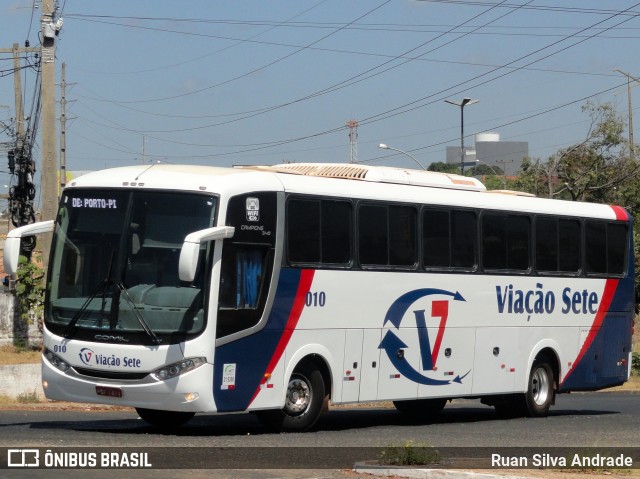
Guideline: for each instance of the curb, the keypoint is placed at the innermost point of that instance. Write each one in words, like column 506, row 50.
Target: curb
column 429, row 473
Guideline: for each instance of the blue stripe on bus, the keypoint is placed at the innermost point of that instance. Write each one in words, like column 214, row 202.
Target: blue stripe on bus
column 252, row 354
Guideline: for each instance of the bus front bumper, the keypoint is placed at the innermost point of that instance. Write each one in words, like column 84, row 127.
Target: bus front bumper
column 189, row 392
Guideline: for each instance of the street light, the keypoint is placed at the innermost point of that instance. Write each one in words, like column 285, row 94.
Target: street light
column 464, row 102
column 385, row 147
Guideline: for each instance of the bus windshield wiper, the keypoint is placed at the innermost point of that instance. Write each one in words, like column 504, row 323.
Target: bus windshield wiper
column 145, row 326
column 113, row 314
column 102, row 287
column 70, row 329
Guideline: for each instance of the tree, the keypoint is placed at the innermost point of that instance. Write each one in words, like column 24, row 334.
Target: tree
column 442, row 167
column 598, row 169
column 485, row 170
column 592, row 170
column 30, row 291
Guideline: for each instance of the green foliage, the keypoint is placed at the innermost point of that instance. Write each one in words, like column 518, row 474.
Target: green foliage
column 599, row 169
column 30, row 291
column 28, row 398
column 409, row 455
column 442, row 167
column 483, row 169
column 635, row 364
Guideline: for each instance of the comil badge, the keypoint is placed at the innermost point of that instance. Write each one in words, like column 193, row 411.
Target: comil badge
column 253, row 209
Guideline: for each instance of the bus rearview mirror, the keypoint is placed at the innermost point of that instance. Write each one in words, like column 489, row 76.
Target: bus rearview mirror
column 190, row 251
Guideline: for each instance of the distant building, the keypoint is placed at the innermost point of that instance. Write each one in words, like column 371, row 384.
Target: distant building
column 488, row 149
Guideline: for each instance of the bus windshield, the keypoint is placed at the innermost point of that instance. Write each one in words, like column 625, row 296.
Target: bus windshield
column 114, row 266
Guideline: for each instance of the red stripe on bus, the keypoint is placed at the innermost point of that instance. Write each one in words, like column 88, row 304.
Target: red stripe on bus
column 621, row 213
column 607, row 296
column 306, row 278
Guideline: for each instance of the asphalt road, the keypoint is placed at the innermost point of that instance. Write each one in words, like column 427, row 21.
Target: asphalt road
column 577, row 420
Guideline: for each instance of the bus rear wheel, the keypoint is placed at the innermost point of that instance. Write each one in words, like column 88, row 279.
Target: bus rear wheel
column 421, row 407
column 537, row 400
column 164, row 419
column 303, row 403
column 541, row 389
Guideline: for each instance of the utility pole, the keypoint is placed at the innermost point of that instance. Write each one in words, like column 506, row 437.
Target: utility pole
column 21, row 164
column 63, row 128
column 17, row 90
column 353, row 140
column 631, row 144
column 49, row 30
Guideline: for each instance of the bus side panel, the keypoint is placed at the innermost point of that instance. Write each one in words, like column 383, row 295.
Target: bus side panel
column 496, row 358
column 603, row 359
column 244, row 367
column 606, row 355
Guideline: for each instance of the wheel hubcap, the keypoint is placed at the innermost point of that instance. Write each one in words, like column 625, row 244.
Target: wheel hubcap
column 298, row 397
column 540, row 386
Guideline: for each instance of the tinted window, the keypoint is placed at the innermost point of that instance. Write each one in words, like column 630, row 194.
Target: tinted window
column 436, row 238
column 402, row 236
column 448, row 238
column 336, row 232
column 373, row 235
column 569, row 245
column 547, row 244
column 387, row 235
column 605, row 247
column 319, row 231
column 463, row 239
column 596, row 247
column 303, row 231
column 505, row 241
column 616, row 247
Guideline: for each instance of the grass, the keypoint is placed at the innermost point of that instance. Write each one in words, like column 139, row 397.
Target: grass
column 409, row 454
column 10, row 354
column 28, row 398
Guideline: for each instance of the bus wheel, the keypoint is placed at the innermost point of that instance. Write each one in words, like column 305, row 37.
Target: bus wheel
column 541, row 390
column 164, row 419
column 421, row 407
column 303, row 403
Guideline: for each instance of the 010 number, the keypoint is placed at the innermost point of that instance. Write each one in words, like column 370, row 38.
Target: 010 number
column 316, row 299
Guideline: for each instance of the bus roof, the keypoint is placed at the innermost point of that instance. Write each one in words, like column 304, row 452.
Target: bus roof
column 339, row 180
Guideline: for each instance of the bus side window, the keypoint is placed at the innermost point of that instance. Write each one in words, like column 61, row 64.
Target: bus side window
column 242, row 276
column 606, row 248
column 243, row 289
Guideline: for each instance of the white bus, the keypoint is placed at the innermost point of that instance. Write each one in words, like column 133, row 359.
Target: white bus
column 273, row 290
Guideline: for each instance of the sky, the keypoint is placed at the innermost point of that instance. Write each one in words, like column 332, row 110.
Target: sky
column 235, row 82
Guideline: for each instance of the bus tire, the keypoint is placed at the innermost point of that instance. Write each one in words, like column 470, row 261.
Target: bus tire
column 541, row 389
column 305, row 396
column 421, row 407
column 164, row 419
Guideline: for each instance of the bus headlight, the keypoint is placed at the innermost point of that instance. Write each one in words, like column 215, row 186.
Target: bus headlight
column 56, row 361
column 176, row 369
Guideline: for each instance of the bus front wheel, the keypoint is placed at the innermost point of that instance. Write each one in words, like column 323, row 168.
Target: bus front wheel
column 303, row 402
column 164, row 419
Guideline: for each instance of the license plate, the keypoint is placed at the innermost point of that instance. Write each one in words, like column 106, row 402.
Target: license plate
column 109, row 391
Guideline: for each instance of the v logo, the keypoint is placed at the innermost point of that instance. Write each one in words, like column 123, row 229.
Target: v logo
column 439, row 309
